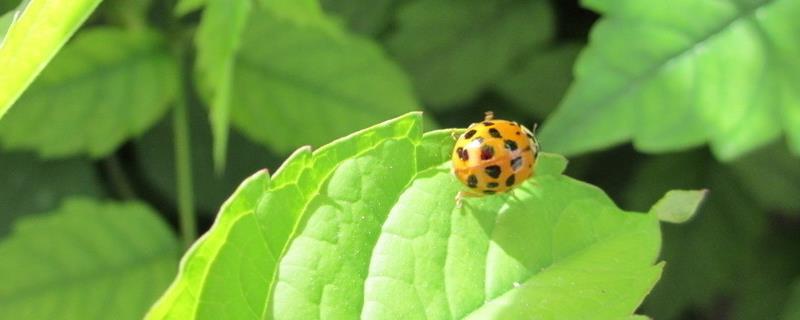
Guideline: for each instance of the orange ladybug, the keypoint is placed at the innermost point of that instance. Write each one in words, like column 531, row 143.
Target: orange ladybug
column 493, row 156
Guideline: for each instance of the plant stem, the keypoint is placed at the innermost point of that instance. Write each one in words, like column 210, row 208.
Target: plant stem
column 183, row 163
column 117, row 177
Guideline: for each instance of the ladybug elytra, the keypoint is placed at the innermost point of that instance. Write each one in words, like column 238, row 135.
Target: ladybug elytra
column 493, row 156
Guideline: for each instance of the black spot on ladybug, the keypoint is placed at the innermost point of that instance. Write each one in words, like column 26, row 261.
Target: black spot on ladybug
column 492, row 185
column 459, row 151
column 517, row 132
column 493, row 171
column 516, row 163
column 487, row 152
column 472, row 181
column 511, row 145
column 489, row 191
column 462, row 154
column 488, row 124
column 469, row 134
column 510, row 181
column 494, row 133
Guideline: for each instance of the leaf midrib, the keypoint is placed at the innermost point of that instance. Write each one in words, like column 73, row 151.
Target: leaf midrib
column 649, row 73
column 310, row 199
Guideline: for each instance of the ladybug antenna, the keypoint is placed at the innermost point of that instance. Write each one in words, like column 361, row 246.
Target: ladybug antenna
column 489, row 115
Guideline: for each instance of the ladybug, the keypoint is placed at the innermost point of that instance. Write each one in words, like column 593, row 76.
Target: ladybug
column 493, row 156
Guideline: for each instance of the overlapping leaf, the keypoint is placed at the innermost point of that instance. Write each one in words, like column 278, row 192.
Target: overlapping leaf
column 726, row 76
column 105, row 87
column 368, row 17
column 307, row 86
column 709, row 253
column 539, row 83
column 30, row 43
column 86, row 260
column 367, row 226
column 455, row 55
column 31, row 185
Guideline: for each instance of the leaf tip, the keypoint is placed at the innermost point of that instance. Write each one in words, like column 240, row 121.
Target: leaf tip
column 679, row 206
column 550, row 163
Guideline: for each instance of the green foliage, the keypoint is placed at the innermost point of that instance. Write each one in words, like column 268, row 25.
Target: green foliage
column 32, row 185
column 369, row 17
column 369, row 220
column 709, row 253
column 538, row 83
column 366, row 225
column 85, row 260
column 102, row 89
column 53, row 22
column 678, row 206
column 453, row 57
column 211, row 188
column 727, row 76
column 307, row 86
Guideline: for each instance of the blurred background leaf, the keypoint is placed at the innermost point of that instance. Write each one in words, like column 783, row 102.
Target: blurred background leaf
column 537, row 84
column 86, row 260
column 306, row 86
column 453, row 57
column 667, row 82
column 707, row 255
column 32, row 185
column 367, row 17
column 102, row 89
column 157, row 171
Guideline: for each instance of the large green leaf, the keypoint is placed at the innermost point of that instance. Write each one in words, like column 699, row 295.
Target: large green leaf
column 455, row 55
column 727, row 76
column 33, row 39
column 367, row 226
column 308, row 85
column 31, row 185
column 103, row 88
column 86, row 260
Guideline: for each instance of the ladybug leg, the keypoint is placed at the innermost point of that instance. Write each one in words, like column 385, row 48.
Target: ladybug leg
column 464, row 194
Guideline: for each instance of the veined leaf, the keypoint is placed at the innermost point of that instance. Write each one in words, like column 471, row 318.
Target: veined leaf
column 726, row 76
column 367, row 227
column 455, row 55
column 307, row 77
column 86, row 260
column 105, row 87
column 33, row 39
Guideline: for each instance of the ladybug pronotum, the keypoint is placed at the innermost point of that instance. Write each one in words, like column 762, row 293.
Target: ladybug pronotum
column 493, row 156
